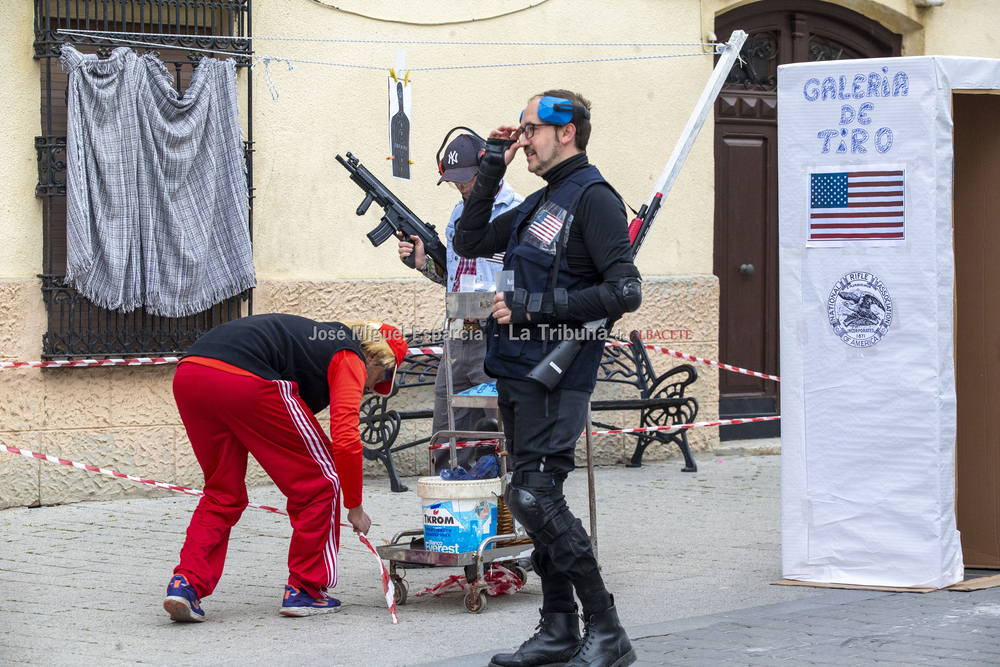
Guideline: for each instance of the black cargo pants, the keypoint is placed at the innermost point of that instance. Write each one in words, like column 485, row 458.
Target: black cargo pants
column 542, row 428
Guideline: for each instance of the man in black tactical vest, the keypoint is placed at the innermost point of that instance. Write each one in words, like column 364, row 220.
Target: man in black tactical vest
column 568, row 247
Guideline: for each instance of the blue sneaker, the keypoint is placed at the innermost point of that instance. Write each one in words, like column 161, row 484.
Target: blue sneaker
column 300, row 603
column 182, row 601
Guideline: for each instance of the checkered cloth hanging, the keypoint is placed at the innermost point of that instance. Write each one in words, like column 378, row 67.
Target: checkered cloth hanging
column 156, row 189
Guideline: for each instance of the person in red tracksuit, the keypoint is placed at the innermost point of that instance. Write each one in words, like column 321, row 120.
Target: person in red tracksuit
column 253, row 385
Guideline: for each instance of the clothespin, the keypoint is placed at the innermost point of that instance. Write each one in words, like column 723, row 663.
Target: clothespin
column 392, row 73
column 401, row 66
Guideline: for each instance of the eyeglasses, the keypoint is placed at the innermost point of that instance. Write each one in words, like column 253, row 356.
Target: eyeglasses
column 460, row 186
column 528, row 129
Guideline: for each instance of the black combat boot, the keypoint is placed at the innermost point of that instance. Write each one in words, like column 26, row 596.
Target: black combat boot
column 557, row 639
column 605, row 642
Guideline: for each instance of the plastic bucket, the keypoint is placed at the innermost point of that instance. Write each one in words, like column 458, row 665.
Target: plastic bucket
column 458, row 515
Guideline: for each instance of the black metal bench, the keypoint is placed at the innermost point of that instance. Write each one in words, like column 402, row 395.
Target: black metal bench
column 661, row 402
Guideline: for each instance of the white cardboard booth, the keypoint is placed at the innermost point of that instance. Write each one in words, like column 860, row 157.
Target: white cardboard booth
column 871, row 155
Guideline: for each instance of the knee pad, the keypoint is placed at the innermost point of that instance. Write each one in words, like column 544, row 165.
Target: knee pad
column 524, row 506
column 538, row 511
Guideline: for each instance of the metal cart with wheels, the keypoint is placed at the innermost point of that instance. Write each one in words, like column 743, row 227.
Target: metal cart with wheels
column 473, row 561
column 460, row 305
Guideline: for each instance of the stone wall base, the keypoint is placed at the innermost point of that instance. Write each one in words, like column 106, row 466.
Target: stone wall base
column 125, row 419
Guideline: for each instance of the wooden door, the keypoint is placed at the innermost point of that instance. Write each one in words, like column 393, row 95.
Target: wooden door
column 977, row 326
column 746, row 183
column 746, row 235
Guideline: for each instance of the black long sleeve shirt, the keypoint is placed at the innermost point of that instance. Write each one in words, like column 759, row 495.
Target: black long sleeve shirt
column 598, row 238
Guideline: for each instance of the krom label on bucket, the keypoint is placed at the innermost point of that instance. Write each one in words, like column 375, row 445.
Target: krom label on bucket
column 439, row 516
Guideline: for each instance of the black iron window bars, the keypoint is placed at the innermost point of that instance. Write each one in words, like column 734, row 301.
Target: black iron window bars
column 180, row 31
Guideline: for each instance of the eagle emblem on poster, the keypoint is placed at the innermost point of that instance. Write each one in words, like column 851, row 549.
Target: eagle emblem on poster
column 860, row 309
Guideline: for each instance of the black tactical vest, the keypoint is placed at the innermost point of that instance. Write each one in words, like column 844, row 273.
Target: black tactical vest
column 514, row 349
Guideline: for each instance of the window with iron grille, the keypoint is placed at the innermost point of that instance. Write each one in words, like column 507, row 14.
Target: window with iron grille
column 178, row 31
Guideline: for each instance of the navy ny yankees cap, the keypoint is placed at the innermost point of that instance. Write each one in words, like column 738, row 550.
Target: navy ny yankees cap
column 460, row 161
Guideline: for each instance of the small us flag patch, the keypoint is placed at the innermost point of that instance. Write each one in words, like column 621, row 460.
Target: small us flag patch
column 497, row 258
column 546, row 229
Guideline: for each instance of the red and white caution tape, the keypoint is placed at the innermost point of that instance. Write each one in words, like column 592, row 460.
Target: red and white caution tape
column 134, row 361
column 413, row 351
column 119, row 475
column 691, row 357
column 642, row 429
column 709, row 362
column 454, row 581
column 499, row 581
column 146, row 361
column 389, row 597
column 464, row 443
column 654, row 348
column 679, row 427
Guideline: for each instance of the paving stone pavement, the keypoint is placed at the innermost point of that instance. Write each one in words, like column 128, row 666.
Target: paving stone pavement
column 83, row 584
column 845, row 629
column 842, row 628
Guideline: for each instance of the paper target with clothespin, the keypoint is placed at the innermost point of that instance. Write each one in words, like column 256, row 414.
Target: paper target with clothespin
column 400, row 104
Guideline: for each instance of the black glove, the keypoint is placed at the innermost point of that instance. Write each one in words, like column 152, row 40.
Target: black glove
column 491, row 168
column 543, row 307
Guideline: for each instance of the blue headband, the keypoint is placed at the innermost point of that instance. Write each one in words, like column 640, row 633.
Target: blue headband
column 559, row 111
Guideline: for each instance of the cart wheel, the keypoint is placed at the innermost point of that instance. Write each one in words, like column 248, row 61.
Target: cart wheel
column 520, row 573
column 400, row 590
column 476, row 602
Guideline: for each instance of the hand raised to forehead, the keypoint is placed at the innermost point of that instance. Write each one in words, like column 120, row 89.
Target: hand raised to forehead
column 509, row 133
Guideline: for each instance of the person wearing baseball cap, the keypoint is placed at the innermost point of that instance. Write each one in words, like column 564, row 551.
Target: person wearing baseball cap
column 253, row 386
column 458, row 165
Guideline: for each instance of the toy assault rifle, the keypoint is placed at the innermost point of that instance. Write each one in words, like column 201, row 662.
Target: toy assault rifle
column 550, row 370
column 397, row 220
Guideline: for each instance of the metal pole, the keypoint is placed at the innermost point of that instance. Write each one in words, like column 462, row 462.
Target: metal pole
column 590, row 482
column 450, row 388
column 730, row 52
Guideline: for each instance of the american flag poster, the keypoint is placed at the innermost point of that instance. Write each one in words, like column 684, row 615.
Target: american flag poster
column 857, row 206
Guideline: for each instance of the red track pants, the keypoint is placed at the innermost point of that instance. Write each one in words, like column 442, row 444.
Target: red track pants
column 228, row 415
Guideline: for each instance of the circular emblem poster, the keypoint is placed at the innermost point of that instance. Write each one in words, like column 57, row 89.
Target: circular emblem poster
column 860, row 309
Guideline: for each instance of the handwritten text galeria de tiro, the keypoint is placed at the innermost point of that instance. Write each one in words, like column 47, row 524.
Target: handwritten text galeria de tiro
column 861, row 87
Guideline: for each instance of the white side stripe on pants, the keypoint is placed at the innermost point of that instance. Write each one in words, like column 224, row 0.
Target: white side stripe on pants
column 316, row 446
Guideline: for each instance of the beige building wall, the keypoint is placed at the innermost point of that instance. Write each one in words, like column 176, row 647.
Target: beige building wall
column 639, row 110
column 20, row 211
column 310, row 249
